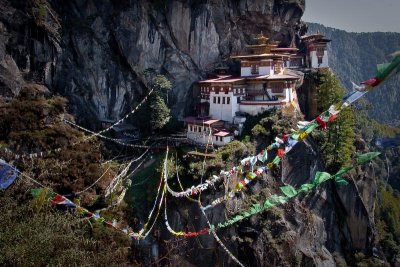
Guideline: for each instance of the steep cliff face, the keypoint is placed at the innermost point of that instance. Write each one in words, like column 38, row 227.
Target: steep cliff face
column 324, row 228
column 95, row 52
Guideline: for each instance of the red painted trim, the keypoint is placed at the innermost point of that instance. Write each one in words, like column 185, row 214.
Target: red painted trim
column 263, row 104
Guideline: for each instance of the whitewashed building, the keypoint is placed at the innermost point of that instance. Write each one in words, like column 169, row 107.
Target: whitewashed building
column 317, row 53
column 265, row 82
column 204, row 130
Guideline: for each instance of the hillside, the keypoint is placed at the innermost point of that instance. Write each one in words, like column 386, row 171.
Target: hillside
column 353, row 57
column 286, row 193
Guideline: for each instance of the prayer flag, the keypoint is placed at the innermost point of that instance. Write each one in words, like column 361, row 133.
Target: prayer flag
column 8, row 174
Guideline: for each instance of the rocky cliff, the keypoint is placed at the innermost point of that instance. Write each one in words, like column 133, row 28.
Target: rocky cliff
column 94, row 52
column 325, row 228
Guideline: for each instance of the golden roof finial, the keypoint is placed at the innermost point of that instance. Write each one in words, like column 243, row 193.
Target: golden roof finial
column 261, row 39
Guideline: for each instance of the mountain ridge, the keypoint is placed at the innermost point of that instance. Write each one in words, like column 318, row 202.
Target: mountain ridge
column 354, row 56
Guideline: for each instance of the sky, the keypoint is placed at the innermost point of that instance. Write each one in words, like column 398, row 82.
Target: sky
column 355, row 15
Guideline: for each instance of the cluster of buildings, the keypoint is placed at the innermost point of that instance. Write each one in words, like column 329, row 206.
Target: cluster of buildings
column 268, row 79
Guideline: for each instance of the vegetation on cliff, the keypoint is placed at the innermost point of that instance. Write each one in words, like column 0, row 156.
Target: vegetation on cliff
column 31, row 124
column 353, row 57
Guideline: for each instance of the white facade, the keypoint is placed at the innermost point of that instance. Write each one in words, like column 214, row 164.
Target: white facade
column 223, row 106
column 314, row 60
column 253, row 108
column 222, row 140
column 199, row 134
column 246, row 71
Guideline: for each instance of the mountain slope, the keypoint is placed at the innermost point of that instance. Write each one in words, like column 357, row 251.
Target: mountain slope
column 354, row 56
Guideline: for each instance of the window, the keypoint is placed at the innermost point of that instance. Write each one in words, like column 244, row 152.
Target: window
column 200, row 129
column 223, row 100
column 319, row 60
column 226, row 90
column 278, row 67
column 320, row 51
column 191, row 128
column 254, row 69
column 238, row 99
column 217, row 90
column 214, row 100
column 219, row 100
column 228, row 100
column 276, row 88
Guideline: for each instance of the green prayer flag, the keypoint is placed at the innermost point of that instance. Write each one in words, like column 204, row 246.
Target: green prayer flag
column 295, row 136
column 304, row 188
column 37, row 191
column 267, row 204
column 384, row 70
column 364, row 158
column 256, row 208
column 275, row 200
column 311, row 127
column 321, row 177
column 264, row 156
column 246, row 214
column 343, row 170
column 341, row 181
column 276, row 160
column 289, row 191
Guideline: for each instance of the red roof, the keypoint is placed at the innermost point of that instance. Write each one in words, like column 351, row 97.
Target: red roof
column 200, row 121
column 282, row 77
column 280, row 49
column 222, row 133
column 223, row 79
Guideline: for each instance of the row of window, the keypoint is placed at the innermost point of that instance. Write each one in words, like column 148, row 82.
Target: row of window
column 225, row 90
column 217, row 138
column 199, row 129
column 217, row 100
column 255, row 68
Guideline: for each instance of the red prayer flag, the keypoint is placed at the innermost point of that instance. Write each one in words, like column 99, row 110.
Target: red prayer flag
column 281, row 152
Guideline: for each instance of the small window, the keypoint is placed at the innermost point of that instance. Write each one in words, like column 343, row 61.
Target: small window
column 228, row 100
column 219, row 100
column 238, row 99
column 319, row 60
column 214, row 100
column 217, row 90
column 223, row 100
column 191, row 128
column 320, row 51
column 254, row 69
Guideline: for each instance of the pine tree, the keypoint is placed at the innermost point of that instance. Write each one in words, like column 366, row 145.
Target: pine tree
column 338, row 142
column 160, row 113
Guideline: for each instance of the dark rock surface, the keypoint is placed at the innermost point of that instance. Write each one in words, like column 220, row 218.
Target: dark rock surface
column 94, row 52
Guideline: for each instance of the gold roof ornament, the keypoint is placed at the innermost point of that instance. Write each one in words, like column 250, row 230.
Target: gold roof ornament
column 261, row 39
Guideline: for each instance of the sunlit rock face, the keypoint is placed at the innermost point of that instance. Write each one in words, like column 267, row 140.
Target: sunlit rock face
column 103, row 47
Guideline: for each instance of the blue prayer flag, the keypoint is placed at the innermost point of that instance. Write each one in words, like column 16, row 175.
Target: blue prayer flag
column 8, row 174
